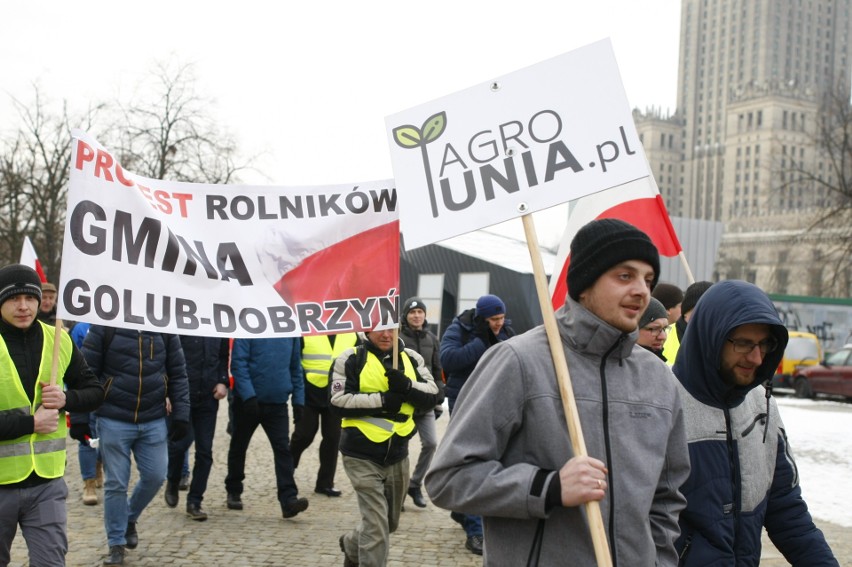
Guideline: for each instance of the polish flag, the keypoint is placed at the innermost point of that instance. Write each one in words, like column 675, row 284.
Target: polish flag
column 638, row 203
column 30, row 258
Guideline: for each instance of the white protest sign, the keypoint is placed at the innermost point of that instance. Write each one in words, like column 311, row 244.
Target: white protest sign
column 535, row 138
column 226, row 260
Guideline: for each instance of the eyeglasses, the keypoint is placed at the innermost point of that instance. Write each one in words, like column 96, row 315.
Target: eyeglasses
column 655, row 331
column 742, row 346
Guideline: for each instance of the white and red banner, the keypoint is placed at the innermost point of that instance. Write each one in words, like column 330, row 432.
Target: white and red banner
column 638, row 203
column 226, row 260
column 30, row 258
column 530, row 140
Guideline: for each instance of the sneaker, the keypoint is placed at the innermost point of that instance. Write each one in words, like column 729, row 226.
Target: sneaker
column 116, row 555
column 184, row 482
column 346, row 561
column 131, row 536
column 234, row 501
column 195, row 512
column 293, row 507
column 416, row 496
column 171, row 494
column 474, row 544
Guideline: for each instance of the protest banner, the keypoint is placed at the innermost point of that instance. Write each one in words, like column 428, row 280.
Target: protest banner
column 226, row 260
column 535, row 138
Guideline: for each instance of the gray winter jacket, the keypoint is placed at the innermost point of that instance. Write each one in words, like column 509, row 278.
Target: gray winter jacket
column 509, row 425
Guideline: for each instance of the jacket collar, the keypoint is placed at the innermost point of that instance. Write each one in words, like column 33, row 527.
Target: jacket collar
column 587, row 334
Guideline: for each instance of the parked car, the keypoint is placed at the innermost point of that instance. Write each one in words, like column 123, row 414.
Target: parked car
column 803, row 349
column 833, row 376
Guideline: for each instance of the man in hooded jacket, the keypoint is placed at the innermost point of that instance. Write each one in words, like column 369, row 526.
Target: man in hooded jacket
column 743, row 476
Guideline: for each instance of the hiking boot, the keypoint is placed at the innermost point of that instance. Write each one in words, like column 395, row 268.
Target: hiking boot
column 184, row 482
column 171, row 494
column 99, row 475
column 346, row 561
column 90, row 495
column 234, row 501
column 293, row 507
column 474, row 544
column 131, row 536
column 116, row 555
column 416, row 496
column 195, row 512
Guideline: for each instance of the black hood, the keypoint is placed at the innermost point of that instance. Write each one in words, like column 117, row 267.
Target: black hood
column 723, row 307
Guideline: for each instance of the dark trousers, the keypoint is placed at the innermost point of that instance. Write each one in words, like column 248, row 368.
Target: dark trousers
column 303, row 435
column 274, row 418
column 203, row 426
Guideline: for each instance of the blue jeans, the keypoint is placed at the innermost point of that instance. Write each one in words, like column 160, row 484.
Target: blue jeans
column 203, row 426
column 147, row 442
column 88, row 456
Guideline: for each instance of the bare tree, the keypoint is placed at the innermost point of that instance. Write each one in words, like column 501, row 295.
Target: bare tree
column 34, row 171
column 171, row 134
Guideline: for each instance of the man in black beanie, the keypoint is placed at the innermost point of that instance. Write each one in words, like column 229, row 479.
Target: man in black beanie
column 507, row 454
column 690, row 299
column 32, row 420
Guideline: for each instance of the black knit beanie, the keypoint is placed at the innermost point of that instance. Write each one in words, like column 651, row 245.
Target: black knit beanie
column 600, row 245
column 654, row 311
column 412, row 303
column 17, row 279
column 693, row 294
column 668, row 294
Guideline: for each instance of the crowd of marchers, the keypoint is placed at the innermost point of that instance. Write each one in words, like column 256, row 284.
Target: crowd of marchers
column 686, row 454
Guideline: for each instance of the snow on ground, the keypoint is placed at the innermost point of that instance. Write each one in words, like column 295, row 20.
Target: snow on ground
column 820, row 434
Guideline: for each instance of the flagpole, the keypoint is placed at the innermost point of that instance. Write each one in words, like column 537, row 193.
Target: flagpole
column 569, row 403
column 57, row 337
column 690, row 278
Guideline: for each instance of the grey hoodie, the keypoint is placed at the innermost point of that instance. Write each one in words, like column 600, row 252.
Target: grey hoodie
column 509, row 425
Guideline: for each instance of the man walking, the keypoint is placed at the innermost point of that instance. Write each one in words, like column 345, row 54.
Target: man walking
column 267, row 372
column 318, row 353
column 743, row 478
column 140, row 370
column 377, row 399
column 507, row 453
column 207, row 372
column 32, row 420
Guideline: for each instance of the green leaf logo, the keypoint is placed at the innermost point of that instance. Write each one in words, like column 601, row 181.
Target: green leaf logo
column 434, row 127
column 407, row 136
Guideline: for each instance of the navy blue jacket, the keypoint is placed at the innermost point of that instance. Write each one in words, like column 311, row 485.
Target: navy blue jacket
column 206, row 365
column 269, row 369
column 461, row 349
column 138, row 370
column 743, row 477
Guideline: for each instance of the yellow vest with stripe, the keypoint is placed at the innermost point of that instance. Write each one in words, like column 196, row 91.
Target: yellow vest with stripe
column 373, row 379
column 671, row 346
column 43, row 453
column 318, row 356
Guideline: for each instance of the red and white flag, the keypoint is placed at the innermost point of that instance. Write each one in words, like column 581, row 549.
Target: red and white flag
column 638, row 203
column 30, row 258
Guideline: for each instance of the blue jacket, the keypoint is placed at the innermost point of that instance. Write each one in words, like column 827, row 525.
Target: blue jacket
column 206, row 366
column 270, row 369
column 461, row 349
column 138, row 370
column 743, row 477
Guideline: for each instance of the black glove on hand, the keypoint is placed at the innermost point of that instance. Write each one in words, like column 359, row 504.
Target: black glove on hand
column 80, row 431
column 297, row 413
column 180, row 429
column 397, row 381
column 392, row 401
column 483, row 331
column 250, row 407
column 439, row 411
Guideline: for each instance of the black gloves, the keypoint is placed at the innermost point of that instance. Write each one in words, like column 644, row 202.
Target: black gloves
column 180, row 429
column 80, row 431
column 483, row 331
column 392, row 401
column 439, row 411
column 397, row 381
column 250, row 407
column 297, row 413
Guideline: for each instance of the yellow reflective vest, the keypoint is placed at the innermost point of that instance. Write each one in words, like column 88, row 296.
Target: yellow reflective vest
column 43, row 453
column 318, row 356
column 373, row 379
column 671, row 346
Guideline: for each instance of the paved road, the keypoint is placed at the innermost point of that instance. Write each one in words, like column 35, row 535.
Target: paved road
column 260, row 536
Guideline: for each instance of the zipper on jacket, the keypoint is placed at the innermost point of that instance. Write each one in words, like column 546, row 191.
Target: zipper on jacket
column 735, row 491
column 608, row 448
column 139, row 391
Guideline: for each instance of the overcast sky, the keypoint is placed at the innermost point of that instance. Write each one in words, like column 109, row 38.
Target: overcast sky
column 307, row 85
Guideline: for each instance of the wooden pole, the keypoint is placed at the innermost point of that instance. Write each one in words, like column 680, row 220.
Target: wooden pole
column 569, row 403
column 57, row 337
column 690, row 278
